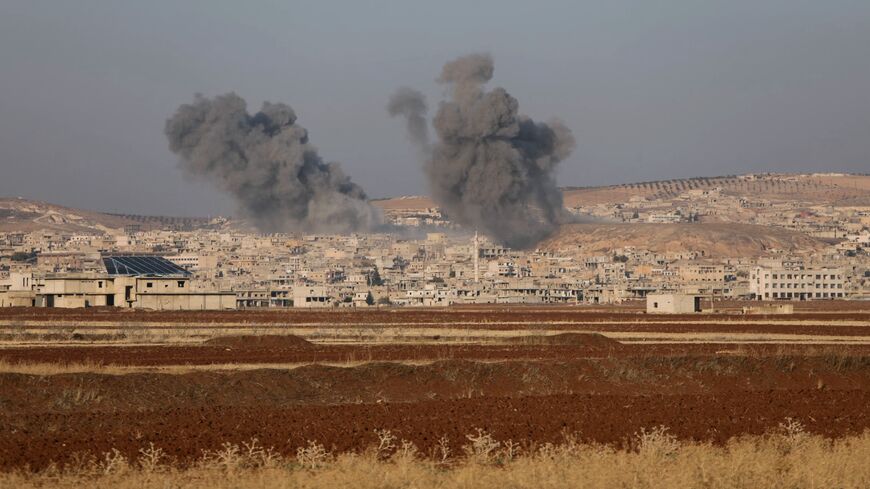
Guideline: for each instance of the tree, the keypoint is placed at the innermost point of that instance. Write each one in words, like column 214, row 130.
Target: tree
column 375, row 278
column 23, row 256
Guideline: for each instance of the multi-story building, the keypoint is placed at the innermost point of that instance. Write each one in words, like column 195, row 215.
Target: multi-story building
column 797, row 284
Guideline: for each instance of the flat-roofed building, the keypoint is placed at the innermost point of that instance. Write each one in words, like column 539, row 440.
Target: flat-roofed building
column 673, row 303
column 148, row 282
column 776, row 283
column 311, row 296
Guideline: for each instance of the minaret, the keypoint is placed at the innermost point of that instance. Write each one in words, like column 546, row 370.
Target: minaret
column 476, row 258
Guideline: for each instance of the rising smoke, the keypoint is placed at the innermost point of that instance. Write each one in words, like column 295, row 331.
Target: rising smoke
column 411, row 105
column 490, row 168
column 267, row 164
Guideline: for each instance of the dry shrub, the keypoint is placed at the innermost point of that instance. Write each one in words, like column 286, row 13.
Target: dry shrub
column 788, row 457
column 313, row 456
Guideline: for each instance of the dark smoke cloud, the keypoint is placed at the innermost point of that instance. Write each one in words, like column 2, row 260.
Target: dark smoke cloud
column 491, row 168
column 266, row 162
column 411, row 104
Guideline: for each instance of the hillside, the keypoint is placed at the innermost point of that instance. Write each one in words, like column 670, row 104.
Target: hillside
column 407, row 202
column 715, row 240
column 832, row 189
column 22, row 215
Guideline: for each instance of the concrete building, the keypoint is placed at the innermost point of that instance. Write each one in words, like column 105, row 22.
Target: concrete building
column 779, row 283
column 17, row 290
column 673, row 303
column 147, row 282
column 311, row 296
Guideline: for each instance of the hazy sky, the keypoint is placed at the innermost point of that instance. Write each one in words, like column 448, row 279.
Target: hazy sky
column 651, row 90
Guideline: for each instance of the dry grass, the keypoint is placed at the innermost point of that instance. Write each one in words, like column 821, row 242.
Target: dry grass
column 58, row 368
column 48, row 368
column 789, row 458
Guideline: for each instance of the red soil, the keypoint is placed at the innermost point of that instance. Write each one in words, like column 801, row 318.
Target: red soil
column 593, row 341
column 35, row 439
column 160, row 355
column 280, row 342
column 587, row 384
column 541, row 315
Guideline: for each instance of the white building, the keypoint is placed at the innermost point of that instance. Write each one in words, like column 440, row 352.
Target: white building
column 812, row 283
column 673, row 303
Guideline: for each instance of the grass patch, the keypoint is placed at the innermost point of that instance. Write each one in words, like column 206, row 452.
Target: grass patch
column 789, row 457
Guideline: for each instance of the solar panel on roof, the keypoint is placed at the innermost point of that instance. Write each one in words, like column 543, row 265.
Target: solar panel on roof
column 141, row 265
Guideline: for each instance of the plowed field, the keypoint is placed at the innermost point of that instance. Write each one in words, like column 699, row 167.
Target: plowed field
column 78, row 383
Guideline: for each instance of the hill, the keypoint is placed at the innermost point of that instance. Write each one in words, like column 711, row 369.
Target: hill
column 838, row 190
column 715, row 240
column 23, row 215
column 832, row 189
column 405, row 202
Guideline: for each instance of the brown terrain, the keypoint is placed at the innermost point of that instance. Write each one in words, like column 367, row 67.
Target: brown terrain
column 22, row 215
column 81, row 382
column 837, row 190
column 714, row 239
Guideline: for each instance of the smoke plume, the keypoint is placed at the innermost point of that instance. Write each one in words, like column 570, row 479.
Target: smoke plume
column 490, row 168
column 267, row 164
column 411, row 105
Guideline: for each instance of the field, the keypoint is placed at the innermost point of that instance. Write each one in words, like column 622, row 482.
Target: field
column 77, row 384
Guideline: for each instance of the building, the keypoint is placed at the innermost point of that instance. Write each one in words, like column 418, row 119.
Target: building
column 673, row 303
column 148, row 282
column 252, row 299
column 17, row 290
column 310, row 296
column 779, row 283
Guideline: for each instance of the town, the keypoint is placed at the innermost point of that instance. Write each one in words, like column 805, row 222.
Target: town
column 808, row 239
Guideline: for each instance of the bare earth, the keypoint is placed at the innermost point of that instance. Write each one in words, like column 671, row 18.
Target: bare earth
column 715, row 239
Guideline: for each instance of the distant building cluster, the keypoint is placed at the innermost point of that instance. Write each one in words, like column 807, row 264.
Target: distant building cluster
column 219, row 268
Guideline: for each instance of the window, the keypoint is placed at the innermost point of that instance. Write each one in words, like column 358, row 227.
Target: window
column 181, row 284
column 655, row 305
column 100, row 284
column 149, row 284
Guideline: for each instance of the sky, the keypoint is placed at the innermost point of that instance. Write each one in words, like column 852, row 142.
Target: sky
column 651, row 90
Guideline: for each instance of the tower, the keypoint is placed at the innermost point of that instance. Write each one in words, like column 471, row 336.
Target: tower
column 476, row 258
